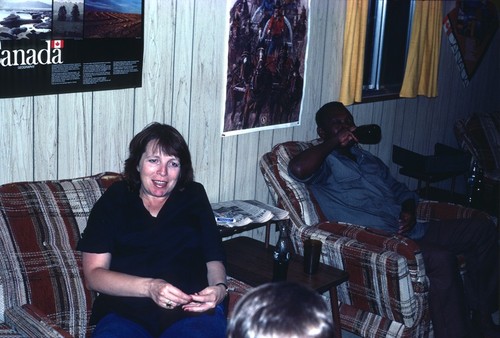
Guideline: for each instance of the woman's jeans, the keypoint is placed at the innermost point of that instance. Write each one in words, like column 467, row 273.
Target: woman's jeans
column 203, row 326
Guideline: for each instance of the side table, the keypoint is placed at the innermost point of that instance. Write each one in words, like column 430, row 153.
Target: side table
column 229, row 231
column 247, row 215
column 251, row 262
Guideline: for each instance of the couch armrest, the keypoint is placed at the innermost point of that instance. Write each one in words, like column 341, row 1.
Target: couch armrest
column 7, row 332
column 236, row 289
column 433, row 211
column 373, row 239
column 386, row 272
column 32, row 322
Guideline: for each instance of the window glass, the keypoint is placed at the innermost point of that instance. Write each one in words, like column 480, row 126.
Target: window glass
column 387, row 39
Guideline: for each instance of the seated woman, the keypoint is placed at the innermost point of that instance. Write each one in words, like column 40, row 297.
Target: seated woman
column 151, row 248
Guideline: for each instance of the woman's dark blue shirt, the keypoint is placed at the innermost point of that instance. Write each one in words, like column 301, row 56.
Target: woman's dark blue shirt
column 174, row 246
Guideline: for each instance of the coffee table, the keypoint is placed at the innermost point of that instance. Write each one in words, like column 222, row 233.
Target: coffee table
column 249, row 261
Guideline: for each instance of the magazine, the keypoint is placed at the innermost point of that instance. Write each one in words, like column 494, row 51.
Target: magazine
column 239, row 213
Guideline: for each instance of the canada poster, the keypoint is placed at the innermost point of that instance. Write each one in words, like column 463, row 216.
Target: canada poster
column 52, row 47
column 267, row 42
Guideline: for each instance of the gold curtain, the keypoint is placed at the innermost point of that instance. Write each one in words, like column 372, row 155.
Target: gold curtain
column 354, row 51
column 423, row 55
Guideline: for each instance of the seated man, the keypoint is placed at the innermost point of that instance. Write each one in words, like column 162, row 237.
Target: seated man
column 352, row 185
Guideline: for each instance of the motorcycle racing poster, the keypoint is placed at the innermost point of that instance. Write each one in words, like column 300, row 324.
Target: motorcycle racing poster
column 267, row 43
column 52, row 47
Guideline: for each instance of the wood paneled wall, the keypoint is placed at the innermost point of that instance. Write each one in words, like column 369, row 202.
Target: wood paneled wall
column 72, row 135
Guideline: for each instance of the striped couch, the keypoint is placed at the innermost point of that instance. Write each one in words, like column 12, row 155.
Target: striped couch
column 387, row 291
column 42, row 293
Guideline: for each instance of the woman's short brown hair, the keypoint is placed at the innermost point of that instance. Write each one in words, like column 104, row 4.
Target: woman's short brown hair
column 170, row 141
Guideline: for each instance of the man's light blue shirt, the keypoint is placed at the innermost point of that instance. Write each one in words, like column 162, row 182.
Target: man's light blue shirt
column 361, row 192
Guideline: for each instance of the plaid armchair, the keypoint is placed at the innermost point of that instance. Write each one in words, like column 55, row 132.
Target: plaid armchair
column 479, row 135
column 387, row 291
column 42, row 291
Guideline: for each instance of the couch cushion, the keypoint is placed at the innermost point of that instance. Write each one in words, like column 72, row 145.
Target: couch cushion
column 40, row 224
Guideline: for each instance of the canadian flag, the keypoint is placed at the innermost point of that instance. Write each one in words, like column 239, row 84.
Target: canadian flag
column 57, row 43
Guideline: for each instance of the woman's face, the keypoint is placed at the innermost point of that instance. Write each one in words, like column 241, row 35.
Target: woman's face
column 158, row 171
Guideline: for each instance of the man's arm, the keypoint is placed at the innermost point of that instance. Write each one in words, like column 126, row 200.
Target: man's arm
column 309, row 161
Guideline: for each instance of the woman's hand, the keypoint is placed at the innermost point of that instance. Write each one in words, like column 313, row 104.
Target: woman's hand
column 206, row 299
column 209, row 297
column 166, row 295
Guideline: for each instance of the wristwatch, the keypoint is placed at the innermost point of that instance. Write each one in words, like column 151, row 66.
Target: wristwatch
column 224, row 285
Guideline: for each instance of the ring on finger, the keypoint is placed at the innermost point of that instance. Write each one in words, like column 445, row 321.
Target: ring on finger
column 169, row 304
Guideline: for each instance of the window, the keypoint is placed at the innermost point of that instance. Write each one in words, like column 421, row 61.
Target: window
column 387, row 42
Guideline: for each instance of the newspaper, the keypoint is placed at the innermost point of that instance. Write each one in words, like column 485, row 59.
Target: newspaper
column 239, row 213
column 278, row 214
